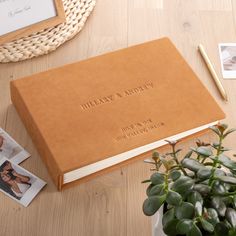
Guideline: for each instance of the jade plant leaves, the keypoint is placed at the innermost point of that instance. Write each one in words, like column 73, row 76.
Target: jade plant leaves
column 227, row 162
column 212, row 216
column 175, row 174
column 170, row 227
column 173, row 198
column 227, row 179
column 207, row 226
column 183, row 184
column 202, row 189
column 221, row 229
column 219, row 205
column 184, row 211
column 203, row 151
column 184, row 226
column 157, row 178
column 192, row 164
column 230, row 215
column 157, row 190
column 168, row 216
column 204, row 173
column 195, row 231
column 198, row 208
column 194, row 197
column 152, row 204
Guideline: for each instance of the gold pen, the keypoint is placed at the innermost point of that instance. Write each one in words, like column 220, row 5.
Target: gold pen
column 213, row 73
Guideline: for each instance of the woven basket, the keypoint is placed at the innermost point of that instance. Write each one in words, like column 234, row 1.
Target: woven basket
column 45, row 41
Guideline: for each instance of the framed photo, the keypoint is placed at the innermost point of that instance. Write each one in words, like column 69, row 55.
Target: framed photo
column 20, row 18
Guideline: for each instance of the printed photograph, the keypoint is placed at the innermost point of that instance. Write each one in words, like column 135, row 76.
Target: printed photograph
column 10, row 149
column 18, row 183
column 228, row 60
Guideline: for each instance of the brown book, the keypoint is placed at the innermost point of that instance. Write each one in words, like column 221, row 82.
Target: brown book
column 93, row 116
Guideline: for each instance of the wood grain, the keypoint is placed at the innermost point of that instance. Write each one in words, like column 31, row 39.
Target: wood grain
column 112, row 204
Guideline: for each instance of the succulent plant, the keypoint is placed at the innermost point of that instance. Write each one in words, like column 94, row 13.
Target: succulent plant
column 198, row 193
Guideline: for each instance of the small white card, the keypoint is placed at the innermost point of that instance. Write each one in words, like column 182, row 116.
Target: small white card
column 18, row 183
column 10, row 149
column 17, row 14
column 227, row 53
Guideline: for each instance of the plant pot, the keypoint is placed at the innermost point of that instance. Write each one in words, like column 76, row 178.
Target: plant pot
column 157, row 223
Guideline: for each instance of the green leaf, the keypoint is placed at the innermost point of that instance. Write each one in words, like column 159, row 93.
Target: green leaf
column 168, row 216
column 173, row 198
column 202, row 189
column 207, row 226
column 184, row 211
column 194, row 197
column 149, row 189
column 221, row 229
column 183, row 184
column 216, row 130
column 195, row 231
column 227, row 179
column 229, row 131
column 230, row 215
column 227, row 162
column 198, row 208
column 204, row 173
column 218, row 188
column 184, row 226
column 192, row 164
column 157, row 178
column 170, row 227
column 152, row 204
column 204, row 151
column 175, row 174
column 212, row 216
column 157, row 190
column 219, row 205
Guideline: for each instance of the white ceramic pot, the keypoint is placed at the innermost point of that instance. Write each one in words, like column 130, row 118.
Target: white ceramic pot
column 157, row 223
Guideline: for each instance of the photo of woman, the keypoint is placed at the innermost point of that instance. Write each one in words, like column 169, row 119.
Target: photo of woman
column 10, row 149
column 15, row 183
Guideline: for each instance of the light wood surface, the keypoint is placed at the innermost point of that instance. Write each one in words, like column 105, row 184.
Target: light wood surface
column 112, row 204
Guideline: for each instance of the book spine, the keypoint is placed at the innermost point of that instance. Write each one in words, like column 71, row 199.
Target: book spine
column 36, row 136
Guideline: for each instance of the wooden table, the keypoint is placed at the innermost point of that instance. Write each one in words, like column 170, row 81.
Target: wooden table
column 112, row 204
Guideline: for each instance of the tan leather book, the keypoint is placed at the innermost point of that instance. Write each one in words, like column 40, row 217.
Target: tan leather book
column 93, row 116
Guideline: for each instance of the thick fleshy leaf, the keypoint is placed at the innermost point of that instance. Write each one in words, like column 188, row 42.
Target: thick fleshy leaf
column 194, row 197
column 221, row 229
column 183, row 184
column 157, row 190
column 192, row 164
column 230, row 215
column 195, row 231
column 175, row 174
column 212, row 216
column 219, row 205
column 204, row 151
column 173, row 198
column 227, row 162
column 152, row 204
column 207, row 226
column 184, row 226
column 198, row 208
column 218, row 188
column 202, row 189
column 227, row 179
column 215, row 129
column 149, row 189
column 170, row 227
column 204, row 173
column 168, row 216
column 157, row 178
column 184, row 211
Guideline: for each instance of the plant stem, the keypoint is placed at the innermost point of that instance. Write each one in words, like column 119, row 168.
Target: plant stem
column 216, row 160
column 177, row 161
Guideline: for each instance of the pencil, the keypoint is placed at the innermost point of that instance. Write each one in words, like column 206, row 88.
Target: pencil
column 213, row 72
